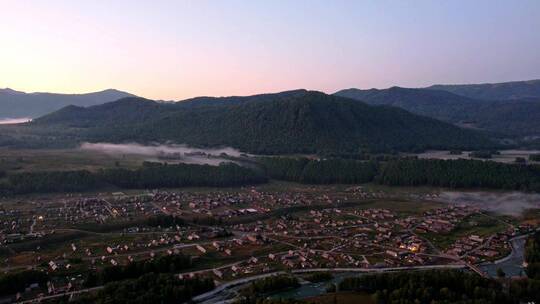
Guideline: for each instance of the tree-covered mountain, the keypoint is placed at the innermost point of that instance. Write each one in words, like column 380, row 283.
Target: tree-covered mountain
column 433, row 103
column 14, row 104
column 509, row 117
column 289, row 122
column 495, row 91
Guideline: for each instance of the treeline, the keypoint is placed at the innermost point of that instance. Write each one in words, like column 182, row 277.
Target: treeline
column 395, row 172
column 328, row 171
column 49, row 181
column 273, row 283
column 150, row 175
column 156, row 175
column 164, row 264
column 149, row 288
column 406, row 172
column 12, row 283
column 433, row 286
column 459, row 174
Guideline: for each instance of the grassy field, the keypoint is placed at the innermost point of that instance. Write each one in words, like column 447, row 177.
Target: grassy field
column 27, row 160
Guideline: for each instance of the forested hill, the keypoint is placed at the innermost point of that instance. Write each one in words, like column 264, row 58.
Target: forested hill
column 495, row 91
column 15, row 104
column 507, row 117
column 291, row 122
column 433, row 103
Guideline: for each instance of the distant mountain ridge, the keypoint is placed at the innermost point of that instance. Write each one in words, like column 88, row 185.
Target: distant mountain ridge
column 518, row 117
column 288, row 122
column 14, row 104
column 495, row 91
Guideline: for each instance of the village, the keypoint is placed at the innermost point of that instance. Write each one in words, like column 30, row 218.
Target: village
column 235, row 234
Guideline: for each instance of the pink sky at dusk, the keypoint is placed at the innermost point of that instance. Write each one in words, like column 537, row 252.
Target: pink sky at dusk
column 179, row 49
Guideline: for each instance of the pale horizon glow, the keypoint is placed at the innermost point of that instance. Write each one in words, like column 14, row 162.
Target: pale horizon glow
column 173, row 50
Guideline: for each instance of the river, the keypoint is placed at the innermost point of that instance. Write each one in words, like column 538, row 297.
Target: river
column 512, row 265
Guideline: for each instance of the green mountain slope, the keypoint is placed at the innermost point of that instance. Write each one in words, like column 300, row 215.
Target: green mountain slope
column 293, row 122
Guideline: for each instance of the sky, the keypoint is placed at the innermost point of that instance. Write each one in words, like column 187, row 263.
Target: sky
column 173, row 50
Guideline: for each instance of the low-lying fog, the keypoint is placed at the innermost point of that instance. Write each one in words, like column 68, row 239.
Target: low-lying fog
column 507, row 203
column 8, row 121
column 505, row 156
column 170, row 153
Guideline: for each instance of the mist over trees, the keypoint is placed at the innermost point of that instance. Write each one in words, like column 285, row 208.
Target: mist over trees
column 296, row 122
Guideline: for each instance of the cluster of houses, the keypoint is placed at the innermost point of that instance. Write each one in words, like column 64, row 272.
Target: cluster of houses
column 443, row 220
column 321, row 233
column 226, row 205
column 477, row 249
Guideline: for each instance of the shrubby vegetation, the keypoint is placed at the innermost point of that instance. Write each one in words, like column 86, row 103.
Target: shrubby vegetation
column 433, row 286
column 16, row 282
column 320, row 277
column 534, row 157
column 532, row 256
column 273, row 283
column 149, row 288
column 164, row 264
column 528, row 290
column 255, row 293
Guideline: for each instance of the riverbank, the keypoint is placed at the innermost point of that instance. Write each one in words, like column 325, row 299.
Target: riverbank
column 226, row 292
column 511, row 265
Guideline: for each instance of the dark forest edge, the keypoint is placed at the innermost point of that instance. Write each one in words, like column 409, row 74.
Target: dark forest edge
column 441, row 286
column 150, row 175
column 406, row 172
column 391, row 172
